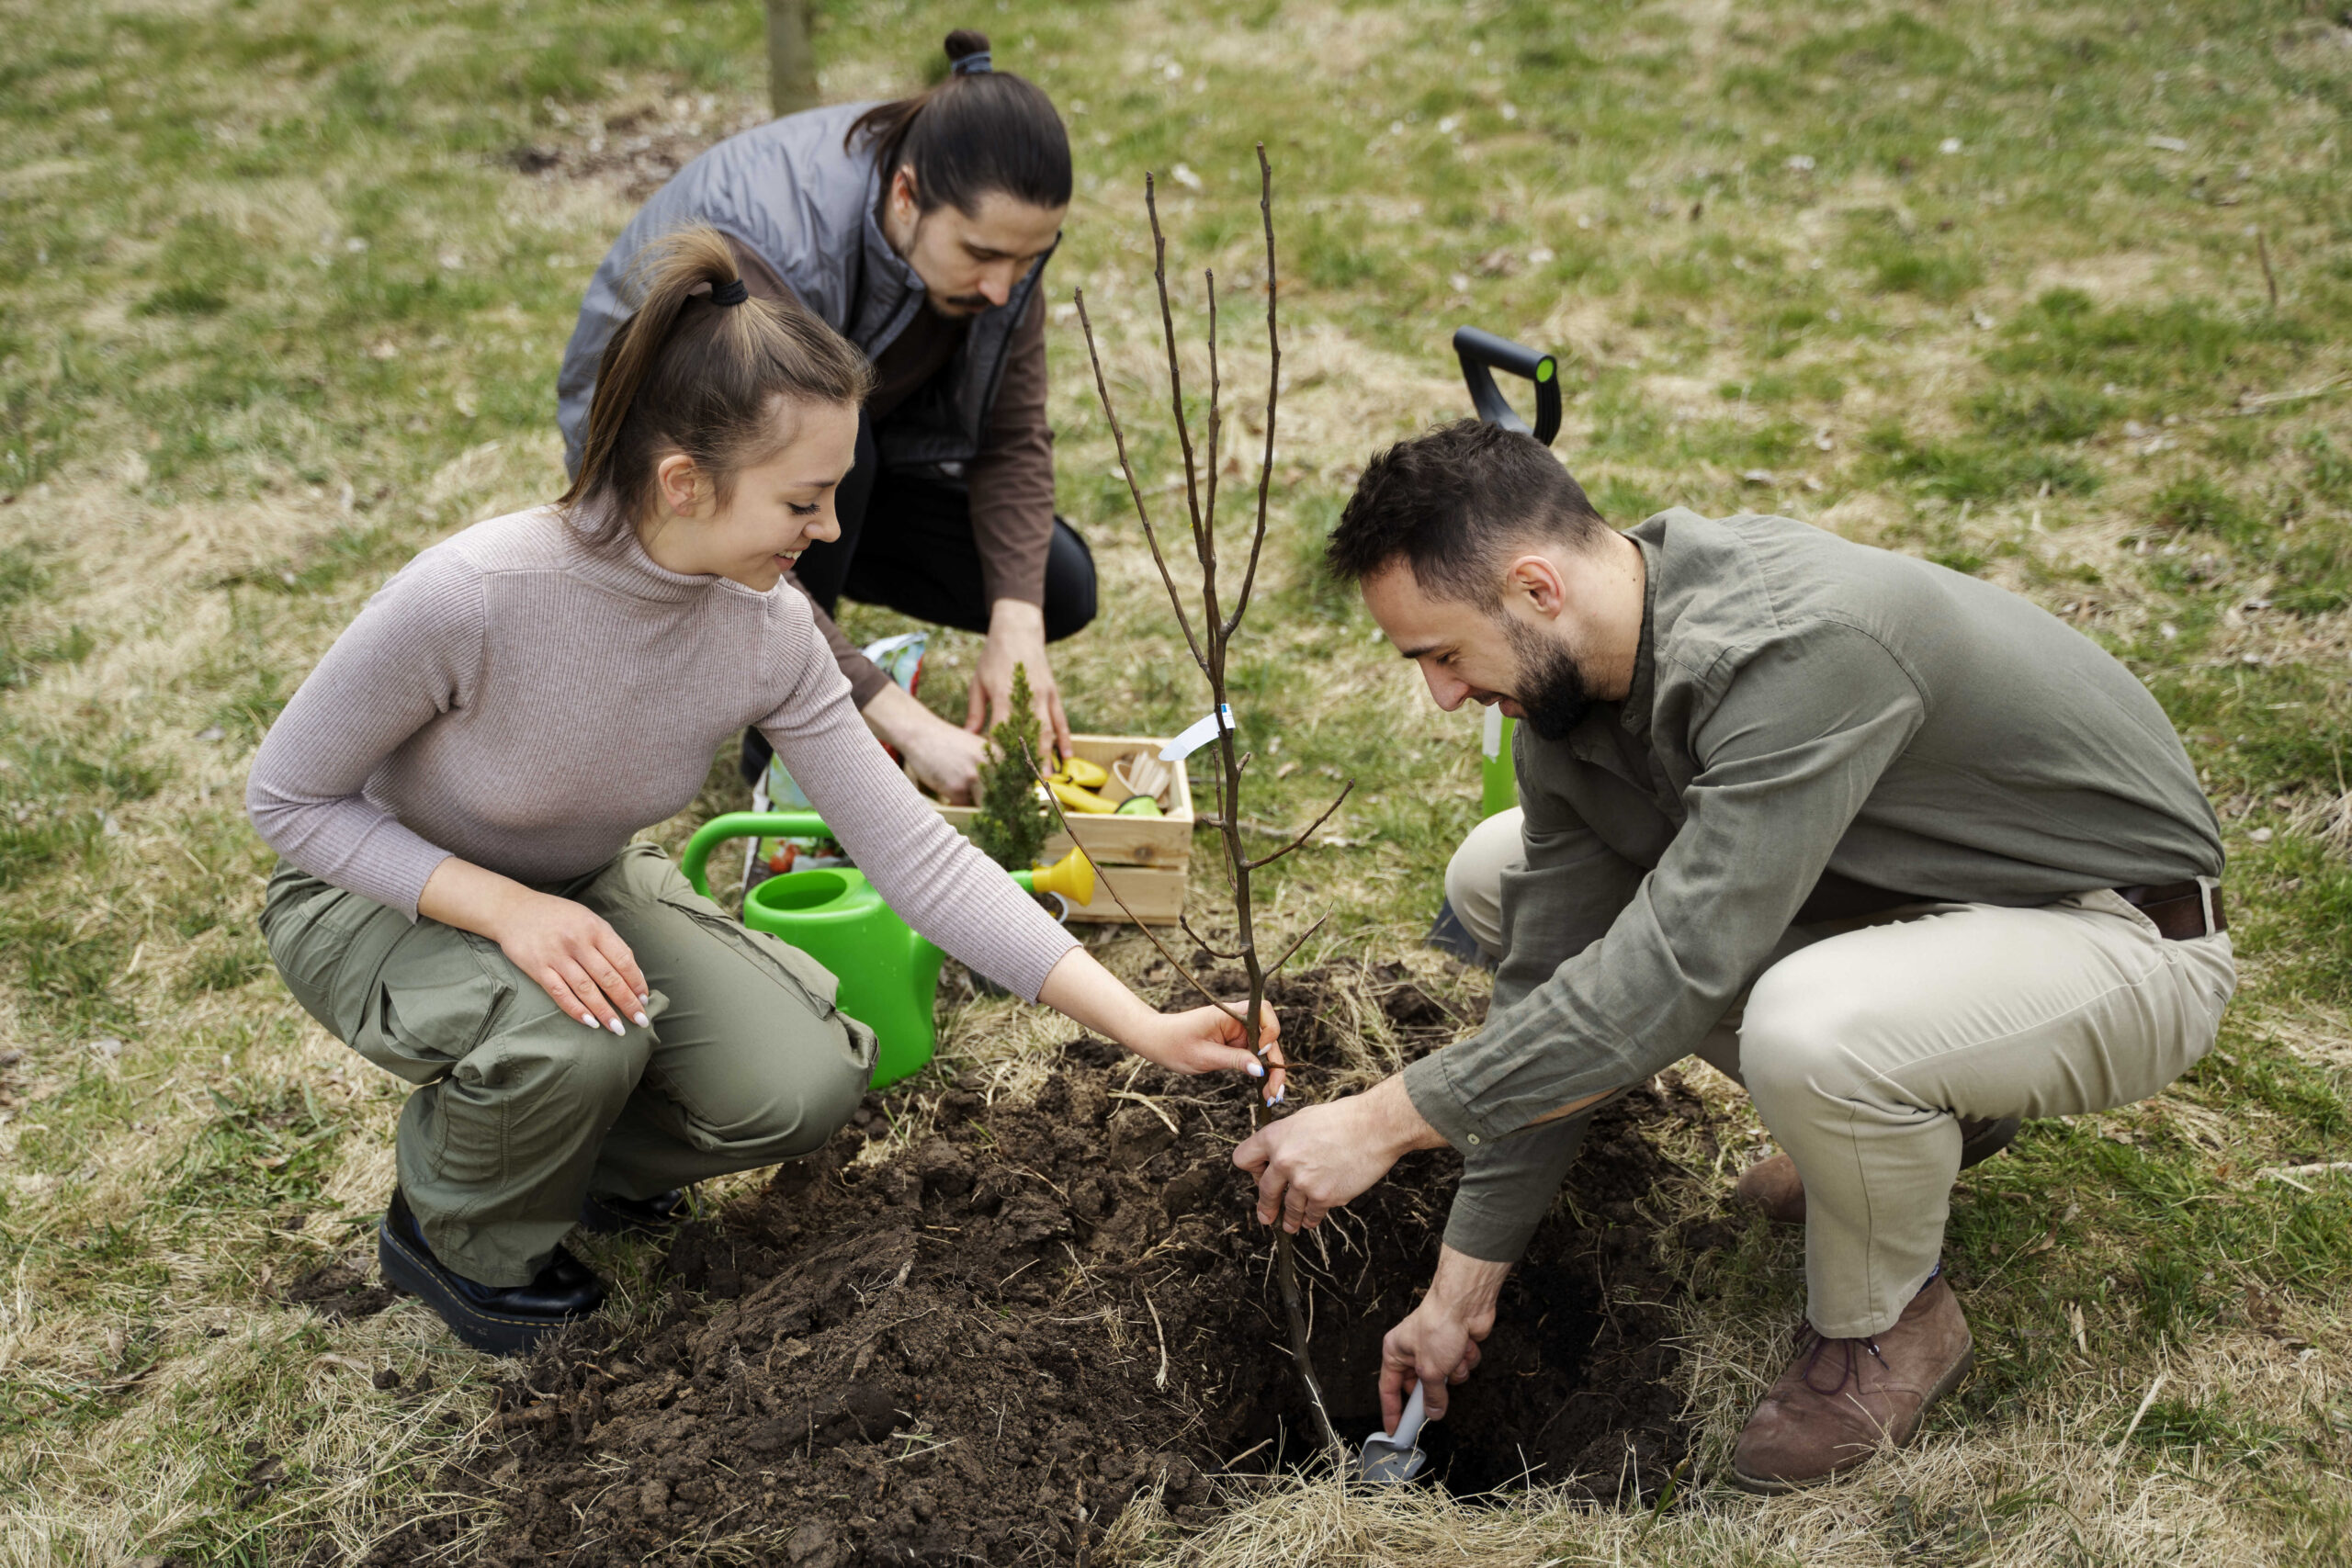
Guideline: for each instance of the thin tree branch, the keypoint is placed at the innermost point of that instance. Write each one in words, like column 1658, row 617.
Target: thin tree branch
column 1216, row 407
column 1273, row 386
column 1186, row 927
column 1135, row 491
column 1308, row 832
column 1275, row 967
column 1175, row 371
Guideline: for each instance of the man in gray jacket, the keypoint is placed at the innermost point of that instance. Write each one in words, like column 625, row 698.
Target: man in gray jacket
column 920, row 230
column 1893, row 847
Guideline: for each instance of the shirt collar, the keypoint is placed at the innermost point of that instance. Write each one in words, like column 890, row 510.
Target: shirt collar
column 1633, row 712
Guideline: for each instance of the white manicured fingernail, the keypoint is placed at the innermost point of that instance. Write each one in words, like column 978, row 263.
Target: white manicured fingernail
column 588, row 1019
column 644, row 999
column 643, row 1021
column 1257, row 1070
column 1278, row 1095
column 615, row 1027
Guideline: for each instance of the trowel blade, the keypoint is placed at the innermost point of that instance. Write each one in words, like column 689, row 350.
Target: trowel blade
column 1392, row 1457
column 1384, row 1462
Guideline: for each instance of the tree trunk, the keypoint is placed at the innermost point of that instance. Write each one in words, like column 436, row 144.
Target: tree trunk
column 792, row 58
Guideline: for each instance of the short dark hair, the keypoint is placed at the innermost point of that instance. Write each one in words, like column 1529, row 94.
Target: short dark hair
column 1449, row 500
column 973, row 132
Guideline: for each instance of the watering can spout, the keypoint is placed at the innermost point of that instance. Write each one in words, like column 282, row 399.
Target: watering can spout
column 1072, row 876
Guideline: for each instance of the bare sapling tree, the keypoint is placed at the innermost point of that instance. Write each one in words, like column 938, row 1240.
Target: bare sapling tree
column 1209, row 634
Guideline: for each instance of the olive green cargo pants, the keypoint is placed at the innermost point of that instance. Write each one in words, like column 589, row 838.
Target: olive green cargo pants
column 521, row 1109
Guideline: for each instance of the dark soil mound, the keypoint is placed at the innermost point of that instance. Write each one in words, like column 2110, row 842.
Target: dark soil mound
column 337, row 1290
column 985, row 1346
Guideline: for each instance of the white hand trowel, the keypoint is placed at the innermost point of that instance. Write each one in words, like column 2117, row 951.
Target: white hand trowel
column 1393, row 1457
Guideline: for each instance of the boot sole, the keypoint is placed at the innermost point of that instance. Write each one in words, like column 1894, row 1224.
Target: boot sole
column 1773, row 1485
column 498, row 1335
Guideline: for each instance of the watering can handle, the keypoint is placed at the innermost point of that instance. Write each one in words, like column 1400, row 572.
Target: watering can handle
column 744, row 825
column 1483, row 354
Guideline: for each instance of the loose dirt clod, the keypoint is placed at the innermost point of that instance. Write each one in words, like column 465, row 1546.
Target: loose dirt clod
column 986, row 1346
column 337, row 1290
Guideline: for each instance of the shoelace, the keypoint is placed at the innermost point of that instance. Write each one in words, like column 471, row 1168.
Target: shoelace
column 1852, row 1363
column 1849, row 1357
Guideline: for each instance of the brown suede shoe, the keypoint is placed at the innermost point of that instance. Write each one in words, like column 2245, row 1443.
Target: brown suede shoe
column 1841, row 1398
column 1772, row 1185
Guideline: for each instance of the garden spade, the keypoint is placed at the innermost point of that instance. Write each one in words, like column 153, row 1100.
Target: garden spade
column 1391, row 1458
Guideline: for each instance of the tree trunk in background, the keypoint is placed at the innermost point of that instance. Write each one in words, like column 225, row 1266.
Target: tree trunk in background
column 792, row 58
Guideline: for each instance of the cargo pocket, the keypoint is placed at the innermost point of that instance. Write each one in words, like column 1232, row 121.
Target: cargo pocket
column 314, row 933
column 437, row 995
column 799, row 973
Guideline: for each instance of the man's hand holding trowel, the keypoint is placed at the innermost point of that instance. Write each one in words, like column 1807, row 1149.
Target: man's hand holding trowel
column 1437, row 1344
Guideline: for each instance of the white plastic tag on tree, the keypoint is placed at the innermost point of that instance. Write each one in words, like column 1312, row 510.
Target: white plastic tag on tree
column 1197, row 734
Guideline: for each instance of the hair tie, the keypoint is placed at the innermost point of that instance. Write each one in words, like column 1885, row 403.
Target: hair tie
column 974, row 64
column 730, row 292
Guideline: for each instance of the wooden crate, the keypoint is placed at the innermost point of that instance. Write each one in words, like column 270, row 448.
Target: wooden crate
column 1146, row 857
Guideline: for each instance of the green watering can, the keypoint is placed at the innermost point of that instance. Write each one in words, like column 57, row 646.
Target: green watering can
column 889, row 972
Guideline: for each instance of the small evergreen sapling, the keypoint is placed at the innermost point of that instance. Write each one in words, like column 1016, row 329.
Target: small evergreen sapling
column 1013, row 824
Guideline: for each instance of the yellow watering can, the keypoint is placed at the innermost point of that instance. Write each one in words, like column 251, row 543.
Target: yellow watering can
column 889, row 972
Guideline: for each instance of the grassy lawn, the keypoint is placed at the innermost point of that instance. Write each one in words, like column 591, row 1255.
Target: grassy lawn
column 2056, row 294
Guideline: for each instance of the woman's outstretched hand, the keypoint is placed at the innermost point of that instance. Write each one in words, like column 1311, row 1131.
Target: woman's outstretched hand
column 1209, row 1039
column 572, row 952
column 1202, row 1040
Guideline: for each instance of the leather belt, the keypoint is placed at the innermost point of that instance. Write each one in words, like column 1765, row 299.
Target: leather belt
column 2182, row 911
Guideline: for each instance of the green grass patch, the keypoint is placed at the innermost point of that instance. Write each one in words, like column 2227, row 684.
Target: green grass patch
column 2179, row 354
column 1975, row 470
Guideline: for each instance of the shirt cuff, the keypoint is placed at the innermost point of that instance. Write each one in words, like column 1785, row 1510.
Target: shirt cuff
column 993, row 588
column 1430, row 1088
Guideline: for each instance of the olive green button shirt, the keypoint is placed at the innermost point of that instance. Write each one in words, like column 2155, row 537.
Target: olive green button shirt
column 1806, row 712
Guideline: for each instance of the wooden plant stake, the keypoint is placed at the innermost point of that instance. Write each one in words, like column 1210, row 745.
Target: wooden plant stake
column 1208, row 644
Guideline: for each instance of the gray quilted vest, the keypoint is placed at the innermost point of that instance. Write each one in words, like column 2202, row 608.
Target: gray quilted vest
column 790, row 194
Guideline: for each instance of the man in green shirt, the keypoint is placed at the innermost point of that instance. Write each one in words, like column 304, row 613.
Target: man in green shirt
column 1890, row 845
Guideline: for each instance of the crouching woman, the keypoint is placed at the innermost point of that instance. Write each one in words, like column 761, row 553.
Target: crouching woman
column 455, row 787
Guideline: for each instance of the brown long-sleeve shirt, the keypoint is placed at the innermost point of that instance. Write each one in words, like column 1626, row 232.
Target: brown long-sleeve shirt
column 1011, row 480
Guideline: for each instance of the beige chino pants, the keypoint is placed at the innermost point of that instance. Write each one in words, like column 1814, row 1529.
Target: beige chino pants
column 1860, row 1042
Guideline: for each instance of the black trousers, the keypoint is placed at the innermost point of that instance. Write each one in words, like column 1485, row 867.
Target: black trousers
column 907, row 545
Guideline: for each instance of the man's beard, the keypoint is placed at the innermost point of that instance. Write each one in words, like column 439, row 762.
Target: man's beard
column 1549, row 688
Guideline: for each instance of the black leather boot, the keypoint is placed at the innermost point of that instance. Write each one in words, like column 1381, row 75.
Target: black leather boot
column 505, row 1320
column 648, row 1216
